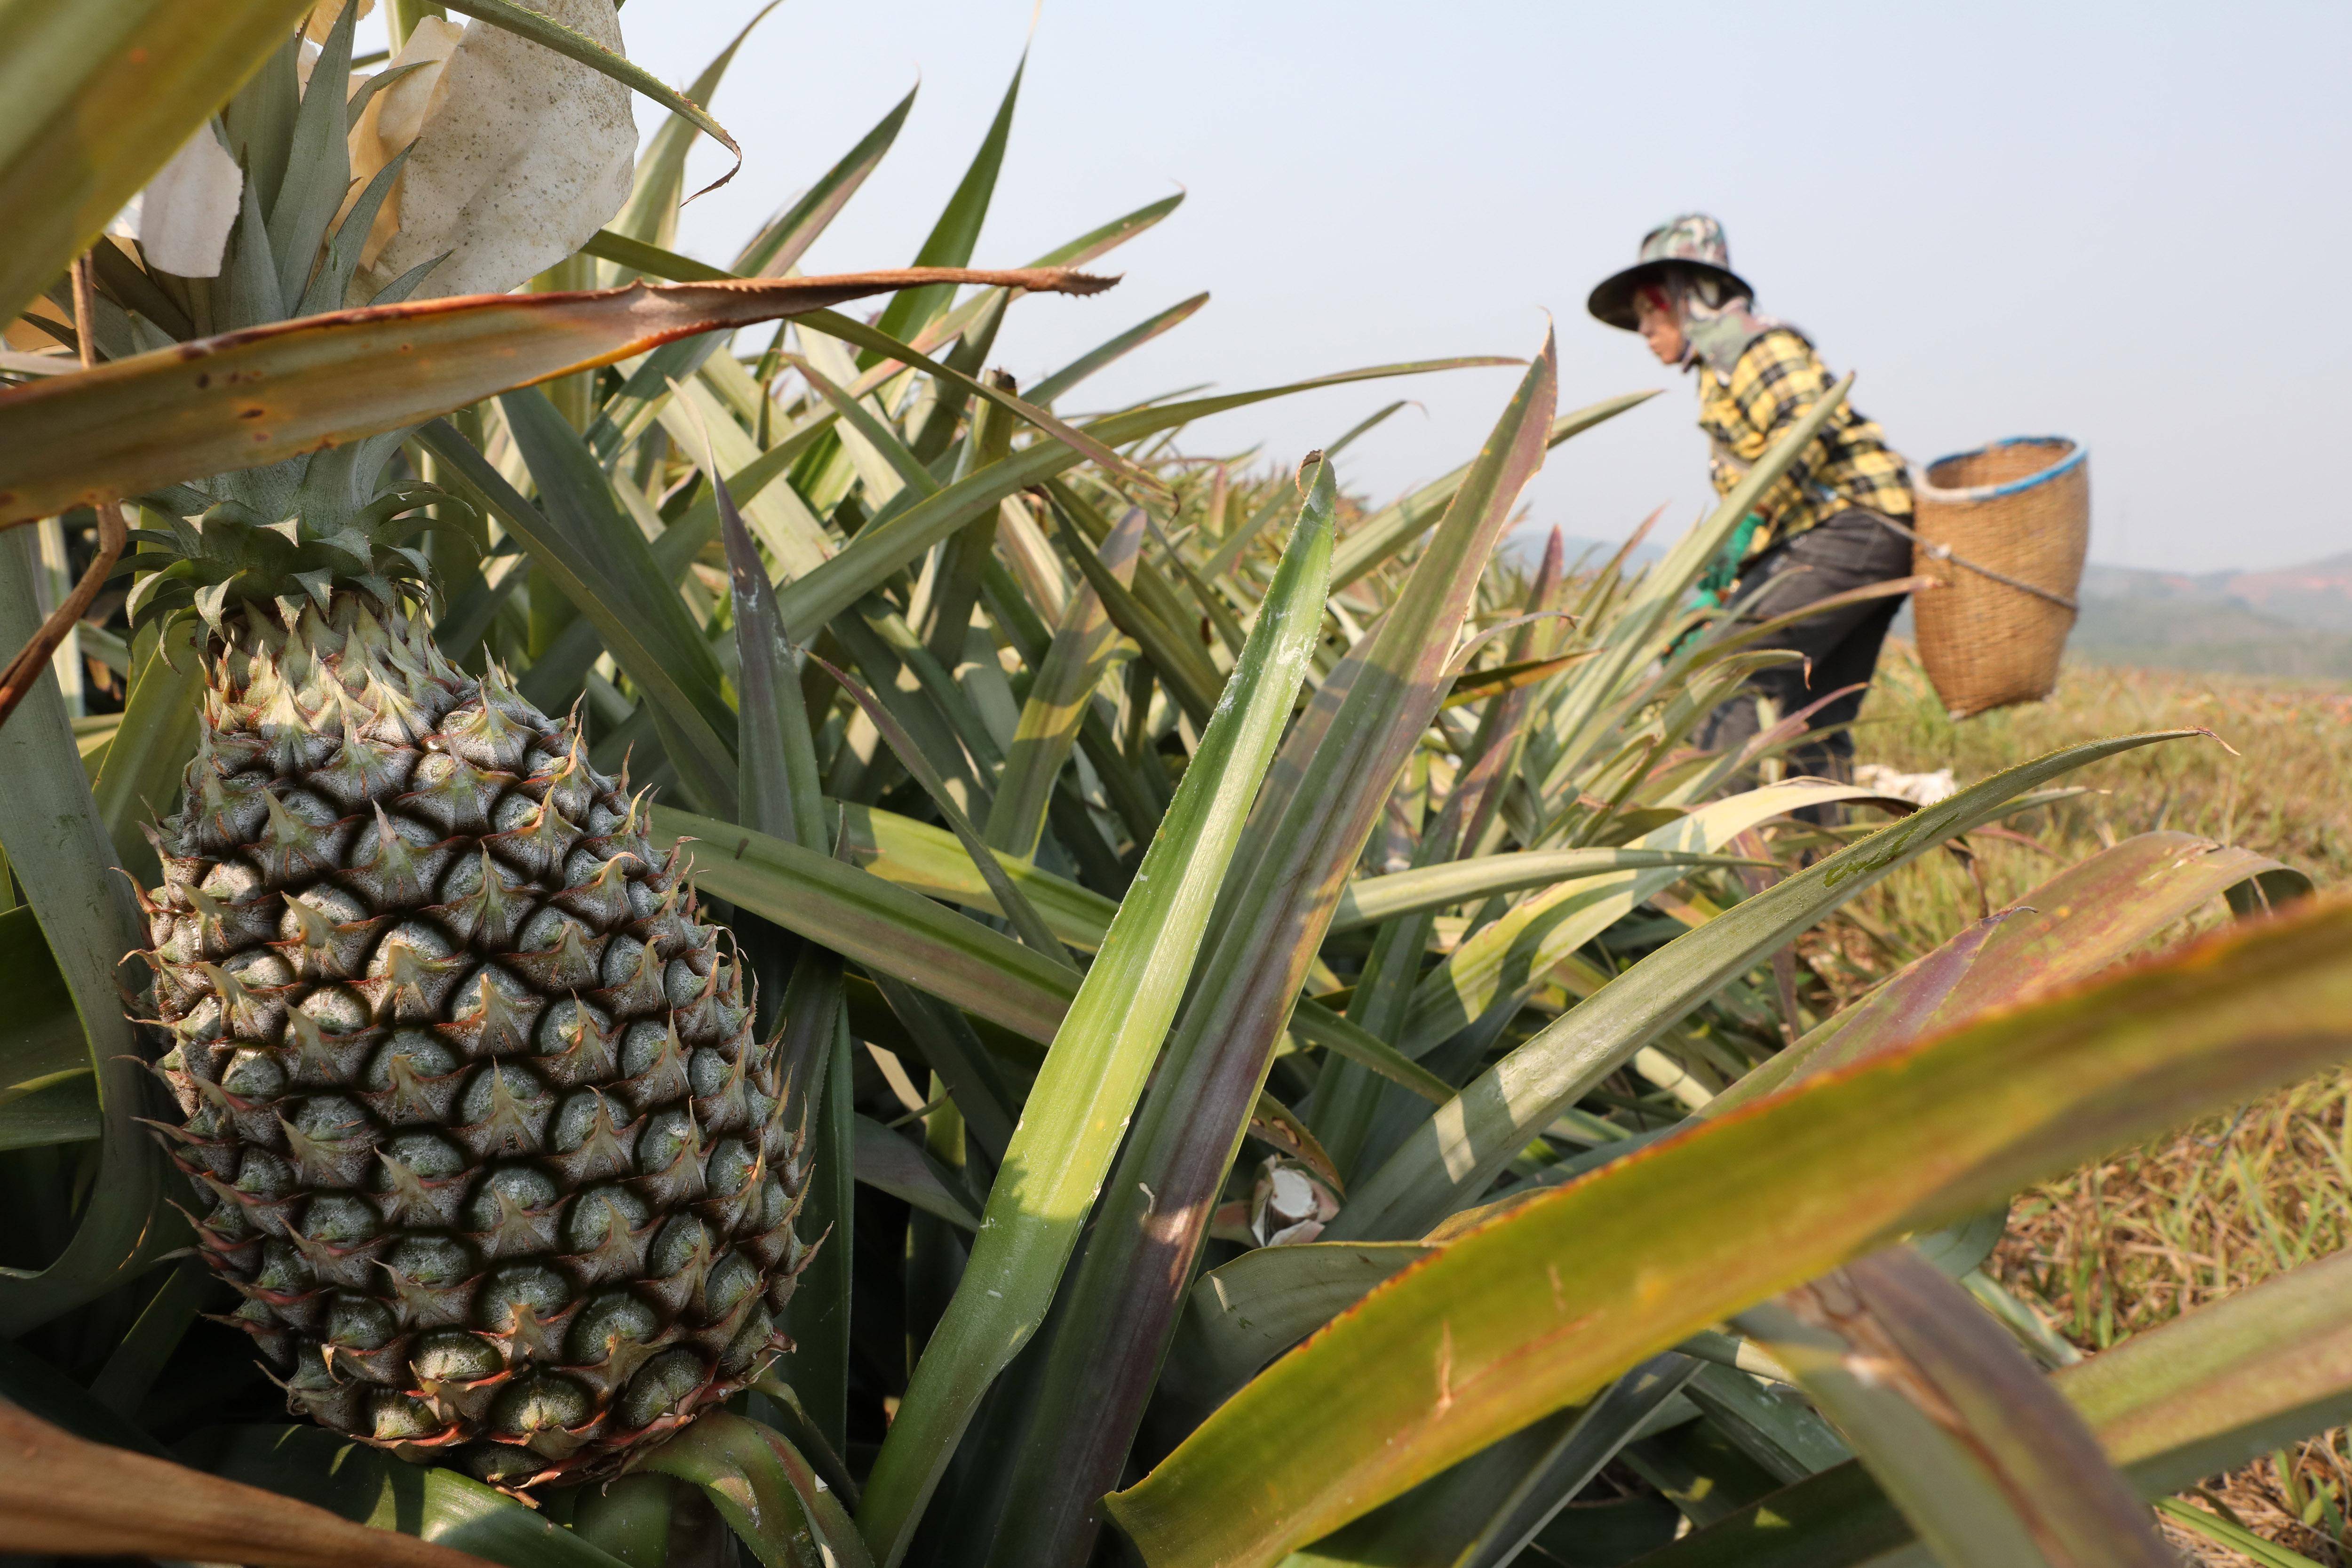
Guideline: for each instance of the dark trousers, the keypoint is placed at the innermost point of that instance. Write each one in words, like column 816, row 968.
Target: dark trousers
column 1847, row 550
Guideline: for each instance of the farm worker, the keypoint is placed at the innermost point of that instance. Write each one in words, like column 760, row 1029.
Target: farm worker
column 1819, row 530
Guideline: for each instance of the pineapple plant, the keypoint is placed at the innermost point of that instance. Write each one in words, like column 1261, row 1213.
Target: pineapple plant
column 477, row 1121
column 484, row 1137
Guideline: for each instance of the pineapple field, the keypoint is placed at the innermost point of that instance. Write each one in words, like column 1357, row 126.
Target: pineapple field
column 654, row 917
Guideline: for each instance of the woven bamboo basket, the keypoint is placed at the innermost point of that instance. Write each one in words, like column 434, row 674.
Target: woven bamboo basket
column 2002, row 530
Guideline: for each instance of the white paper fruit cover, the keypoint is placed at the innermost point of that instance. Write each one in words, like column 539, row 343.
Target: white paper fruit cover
column 520, row 153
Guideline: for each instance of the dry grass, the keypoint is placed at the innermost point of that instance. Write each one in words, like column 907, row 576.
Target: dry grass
column 2273, row 779
column 2139, row 1239
column 2133, row 1241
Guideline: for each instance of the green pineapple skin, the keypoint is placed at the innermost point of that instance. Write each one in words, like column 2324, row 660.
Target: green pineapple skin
column 492, row 1155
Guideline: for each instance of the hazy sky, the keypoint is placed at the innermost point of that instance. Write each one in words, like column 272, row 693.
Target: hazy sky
column 2121, row 222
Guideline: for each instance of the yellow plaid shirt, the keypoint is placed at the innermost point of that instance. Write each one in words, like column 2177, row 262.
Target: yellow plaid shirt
column 1775, row 383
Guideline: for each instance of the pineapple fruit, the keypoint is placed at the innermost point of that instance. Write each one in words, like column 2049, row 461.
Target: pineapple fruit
column 475, row 1117
column 493, row 1156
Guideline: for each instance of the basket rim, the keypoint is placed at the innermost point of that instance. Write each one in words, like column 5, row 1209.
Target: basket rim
column 1922, row 485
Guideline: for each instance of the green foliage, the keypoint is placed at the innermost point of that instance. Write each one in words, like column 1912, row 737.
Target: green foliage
column 99, row 95
column 1222, row 914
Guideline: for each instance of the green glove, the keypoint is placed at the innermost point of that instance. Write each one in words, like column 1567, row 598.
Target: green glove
column 1714, row 585
column 1714, row 582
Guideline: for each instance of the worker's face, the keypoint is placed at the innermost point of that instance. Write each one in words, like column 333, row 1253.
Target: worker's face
column 1659, row 327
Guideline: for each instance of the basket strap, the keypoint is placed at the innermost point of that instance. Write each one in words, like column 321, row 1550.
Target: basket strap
column 1944, row 552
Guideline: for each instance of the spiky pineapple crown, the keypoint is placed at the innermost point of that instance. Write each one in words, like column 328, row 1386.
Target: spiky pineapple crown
column 277, row 537
column 232, row 562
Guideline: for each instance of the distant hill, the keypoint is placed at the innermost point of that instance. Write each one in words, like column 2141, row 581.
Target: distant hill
column 2317, row 596
column 2295, row 622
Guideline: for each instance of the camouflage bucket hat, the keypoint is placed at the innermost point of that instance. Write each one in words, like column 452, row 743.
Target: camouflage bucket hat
column 1694, row 240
